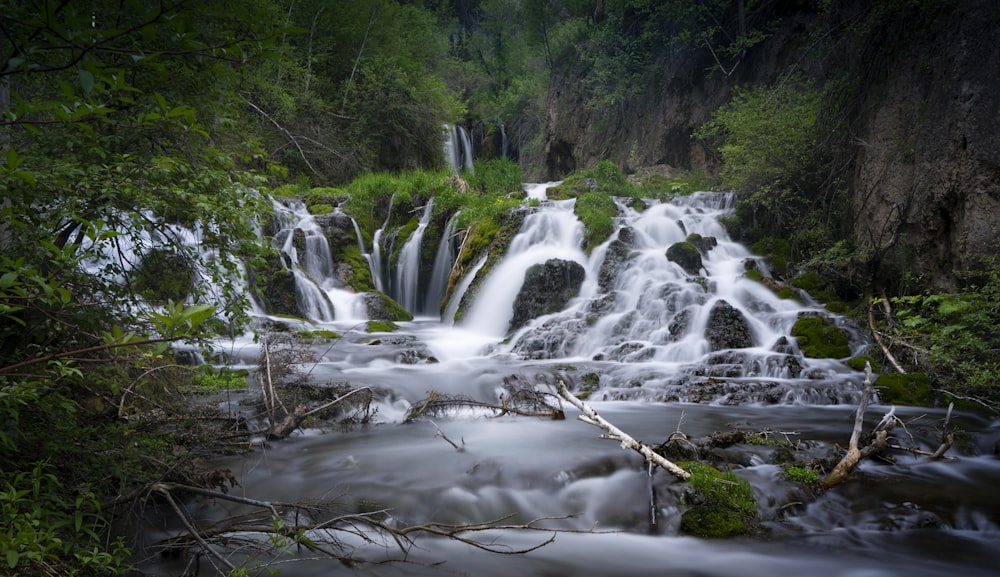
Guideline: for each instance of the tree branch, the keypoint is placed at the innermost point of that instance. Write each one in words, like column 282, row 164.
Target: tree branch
column 590, row 416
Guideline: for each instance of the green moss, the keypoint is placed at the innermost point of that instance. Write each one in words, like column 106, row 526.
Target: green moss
column 723, row 489
column 317, row 334
column 360, row 279
column 382, row 326
column 589, row 383
column 819, row 338
column 320, row 209
column 777, row 251
column 905, row 389
column 212, row 380
column 858, row 363
column 712, row 522
column 803, row 475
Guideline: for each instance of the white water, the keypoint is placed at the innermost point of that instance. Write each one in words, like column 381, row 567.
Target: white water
column 406, row 286
column 546, row 234
column 444, row 261
column 319, row 296
column 458, row 148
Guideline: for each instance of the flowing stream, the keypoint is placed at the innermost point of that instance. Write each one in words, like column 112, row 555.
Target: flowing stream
column 642, row 328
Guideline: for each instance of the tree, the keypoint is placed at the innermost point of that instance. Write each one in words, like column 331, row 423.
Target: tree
column 121, row 157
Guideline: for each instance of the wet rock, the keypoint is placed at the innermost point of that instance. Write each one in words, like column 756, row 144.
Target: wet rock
column 703, row 243
column 679, row 324
column 631, row 352
column 615, row 260
column 687, row 256
column 727, row 328
column 554, row 338
column 546, row 289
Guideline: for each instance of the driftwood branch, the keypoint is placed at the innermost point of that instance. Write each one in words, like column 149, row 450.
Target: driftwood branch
column 591, row 417
column 855, row 454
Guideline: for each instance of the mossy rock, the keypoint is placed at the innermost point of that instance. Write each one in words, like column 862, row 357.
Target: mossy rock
column 686, row 255
column 858, row 363
column 320, row 209
column 819, row 338
column 382, row 307
column 712, row 522
column 912, row 389
column 597, row 211
column 382, row 326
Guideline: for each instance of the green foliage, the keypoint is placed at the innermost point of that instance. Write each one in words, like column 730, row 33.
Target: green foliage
column 164, row 275
column 766, row 135
column 819, row 338
column 46, row 529
column 955, row 335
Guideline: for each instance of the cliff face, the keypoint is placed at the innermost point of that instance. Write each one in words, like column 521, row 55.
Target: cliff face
column 927, row 182
column 923, row 132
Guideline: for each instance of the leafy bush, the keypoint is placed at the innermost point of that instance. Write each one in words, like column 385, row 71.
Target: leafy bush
column 955, row 336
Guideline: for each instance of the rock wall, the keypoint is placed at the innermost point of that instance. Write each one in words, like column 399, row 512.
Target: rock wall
column 923, row 133
column 927, row 186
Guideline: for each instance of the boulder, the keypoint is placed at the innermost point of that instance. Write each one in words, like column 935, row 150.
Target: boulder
column 546, row 289
column 687, row 256
column 727, row 328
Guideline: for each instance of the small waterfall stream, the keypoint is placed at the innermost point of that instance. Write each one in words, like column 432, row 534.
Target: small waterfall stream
column 406, row 288
column 641, row 326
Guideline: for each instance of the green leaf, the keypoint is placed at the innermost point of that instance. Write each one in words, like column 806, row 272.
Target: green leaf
column 7, row 280
column 86, row 80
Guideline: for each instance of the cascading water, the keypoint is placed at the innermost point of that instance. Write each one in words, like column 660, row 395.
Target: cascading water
column 302, row 241
column 406, row 282
column 641, row 337
column 444, row 260
column 458, row 148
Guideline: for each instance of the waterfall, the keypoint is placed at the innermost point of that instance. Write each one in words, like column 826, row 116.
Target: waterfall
column 378, row 273
column 649, row 309
column 466, row 148
column 457, row 148
column 444, row 260
column 503, row 141
column 317, row 292
column 406, row 287
column 553, row 232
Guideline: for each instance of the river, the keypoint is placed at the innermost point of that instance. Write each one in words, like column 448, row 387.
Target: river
column 587, row 507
